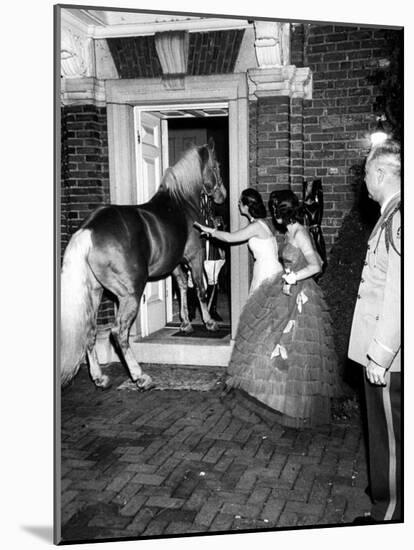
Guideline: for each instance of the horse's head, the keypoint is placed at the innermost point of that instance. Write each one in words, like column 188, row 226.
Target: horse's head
column 210, row 168
column 197, row 171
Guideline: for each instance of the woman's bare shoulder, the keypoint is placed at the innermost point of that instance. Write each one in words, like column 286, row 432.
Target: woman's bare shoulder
column 301, row 235
column 301, row 231
column 264, row 228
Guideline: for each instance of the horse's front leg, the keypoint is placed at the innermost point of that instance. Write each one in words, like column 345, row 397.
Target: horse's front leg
column 182, row 282
column 199, row 279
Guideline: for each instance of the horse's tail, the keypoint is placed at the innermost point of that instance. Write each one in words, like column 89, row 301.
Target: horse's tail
column 78, row 315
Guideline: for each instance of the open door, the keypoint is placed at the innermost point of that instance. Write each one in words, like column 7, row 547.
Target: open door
column 150, row 161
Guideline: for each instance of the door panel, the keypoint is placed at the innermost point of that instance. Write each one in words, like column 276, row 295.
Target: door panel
column 180, row 140
column 152, row 315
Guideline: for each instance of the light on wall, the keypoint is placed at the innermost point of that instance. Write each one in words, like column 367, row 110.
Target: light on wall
column 379, row 136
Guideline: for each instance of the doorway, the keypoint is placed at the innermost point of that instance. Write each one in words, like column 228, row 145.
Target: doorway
column 182, row 133
column 215, row 94
column 162, row 134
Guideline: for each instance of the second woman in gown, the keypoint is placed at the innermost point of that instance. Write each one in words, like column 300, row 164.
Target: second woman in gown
column 284, row 352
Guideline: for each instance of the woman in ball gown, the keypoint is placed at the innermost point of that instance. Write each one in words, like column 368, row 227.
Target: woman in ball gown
column 295, row 369
column 284, row 353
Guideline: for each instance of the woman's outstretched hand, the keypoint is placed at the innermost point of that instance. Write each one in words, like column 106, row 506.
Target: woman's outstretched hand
column 205, row 230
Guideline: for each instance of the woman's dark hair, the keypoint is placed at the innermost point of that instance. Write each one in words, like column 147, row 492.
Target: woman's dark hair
column 253, row 200
column 284, row 205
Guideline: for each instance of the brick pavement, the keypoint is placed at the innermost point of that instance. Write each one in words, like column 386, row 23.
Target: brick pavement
column 173, row 462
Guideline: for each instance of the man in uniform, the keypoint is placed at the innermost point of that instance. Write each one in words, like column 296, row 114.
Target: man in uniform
column 375, row 340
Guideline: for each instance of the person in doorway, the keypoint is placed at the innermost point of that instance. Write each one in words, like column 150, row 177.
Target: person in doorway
column 375, row 340
column 215, row 260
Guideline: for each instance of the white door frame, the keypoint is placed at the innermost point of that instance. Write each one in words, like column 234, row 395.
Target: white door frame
column 153, row 307
column 232, row 90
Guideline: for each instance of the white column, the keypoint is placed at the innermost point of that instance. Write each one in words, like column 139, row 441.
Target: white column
column 121, row 148
column 239, row 174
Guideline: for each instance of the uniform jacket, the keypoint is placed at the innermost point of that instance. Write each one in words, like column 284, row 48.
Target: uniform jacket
column 376, row 326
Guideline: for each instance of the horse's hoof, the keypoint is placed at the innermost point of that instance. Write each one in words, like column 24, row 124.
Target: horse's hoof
column 145, row 383
column 103, row 382
column 212, row 325
column 187, row 328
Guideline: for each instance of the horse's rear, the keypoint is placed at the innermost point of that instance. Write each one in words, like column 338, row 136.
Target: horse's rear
column 77, row 304
column 119, row 248
column 111, row 251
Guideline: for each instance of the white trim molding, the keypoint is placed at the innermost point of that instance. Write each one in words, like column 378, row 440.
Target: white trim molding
column 159, row 350
column 100, row 24
column 280, row 81
column 145, row 29
column 272, row 43
column 89, row 90
column 198, row 89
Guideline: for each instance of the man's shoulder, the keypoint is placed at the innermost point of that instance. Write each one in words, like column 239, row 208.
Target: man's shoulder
column 393, row 229
column 393, row 216
column 396, row 228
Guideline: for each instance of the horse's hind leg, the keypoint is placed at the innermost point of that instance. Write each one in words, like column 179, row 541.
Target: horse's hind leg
column 101, row 380
column 128, row 289
column 127, row 311
column 182, row 281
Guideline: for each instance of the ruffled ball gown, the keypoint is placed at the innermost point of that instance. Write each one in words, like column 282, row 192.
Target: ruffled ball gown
column 284, row 353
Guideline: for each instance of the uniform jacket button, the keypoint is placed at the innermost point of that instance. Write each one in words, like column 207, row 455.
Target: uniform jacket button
column 359, row 296
column 362, row 280
column 365, row 263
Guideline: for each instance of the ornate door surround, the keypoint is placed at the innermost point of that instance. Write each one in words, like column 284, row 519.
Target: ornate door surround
column 121, row 98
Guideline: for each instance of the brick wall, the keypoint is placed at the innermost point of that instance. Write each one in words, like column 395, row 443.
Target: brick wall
column 85, row 169
column 338, row 120
column 253, row 143
column 84, row 172
column 270, row 145
column 213, row 52
column 297, row 38
column 296, row 127
column 326, row 137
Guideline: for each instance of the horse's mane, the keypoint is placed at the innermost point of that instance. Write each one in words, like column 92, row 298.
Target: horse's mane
column 184, row 180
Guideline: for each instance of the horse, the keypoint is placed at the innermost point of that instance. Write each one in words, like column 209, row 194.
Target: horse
column 121, row 247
